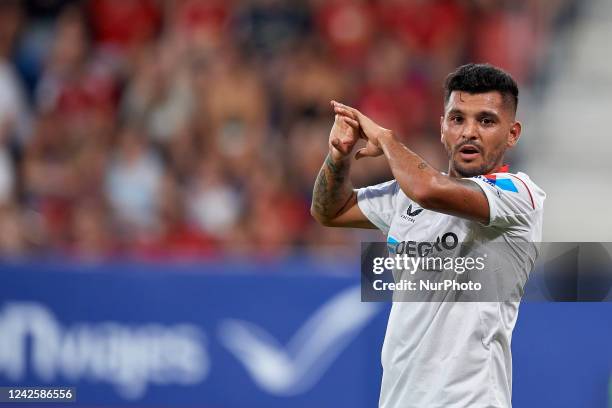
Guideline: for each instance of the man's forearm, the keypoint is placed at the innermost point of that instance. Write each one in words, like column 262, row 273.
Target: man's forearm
column 332, row 190
column 430, row 188
column 415, row 177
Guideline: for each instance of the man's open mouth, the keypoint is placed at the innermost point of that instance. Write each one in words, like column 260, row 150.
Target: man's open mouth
column 469, row 152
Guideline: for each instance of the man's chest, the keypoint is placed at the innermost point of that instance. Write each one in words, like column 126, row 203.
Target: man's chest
column 413, row 227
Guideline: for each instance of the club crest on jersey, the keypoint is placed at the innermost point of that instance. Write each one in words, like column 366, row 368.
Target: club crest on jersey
column 410, row 213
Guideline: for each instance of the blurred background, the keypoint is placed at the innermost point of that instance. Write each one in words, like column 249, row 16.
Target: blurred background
column 157, row 160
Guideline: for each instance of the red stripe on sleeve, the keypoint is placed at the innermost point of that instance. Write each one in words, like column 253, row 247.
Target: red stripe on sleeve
column 529, row 191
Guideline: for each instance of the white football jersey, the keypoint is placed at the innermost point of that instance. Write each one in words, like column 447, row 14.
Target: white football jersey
column 455, row 354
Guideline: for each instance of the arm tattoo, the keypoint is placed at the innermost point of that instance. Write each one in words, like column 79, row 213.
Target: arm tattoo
column 332, row 189
column 422, row 165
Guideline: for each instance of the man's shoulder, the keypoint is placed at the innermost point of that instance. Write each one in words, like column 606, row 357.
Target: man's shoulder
column 526, row 184
column 514, row 185
column 385, row 188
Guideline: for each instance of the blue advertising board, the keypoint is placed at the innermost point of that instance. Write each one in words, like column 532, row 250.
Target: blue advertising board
column 219, row 335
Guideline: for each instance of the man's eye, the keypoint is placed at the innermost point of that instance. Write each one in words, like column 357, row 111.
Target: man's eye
column 486, row 121
column 457, row 119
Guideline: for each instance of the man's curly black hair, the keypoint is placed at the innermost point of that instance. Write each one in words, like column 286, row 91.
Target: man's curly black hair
column 481, row 78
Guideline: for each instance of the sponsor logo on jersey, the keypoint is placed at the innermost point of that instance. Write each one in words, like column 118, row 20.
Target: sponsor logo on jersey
column 448, row 241
column 410, row 213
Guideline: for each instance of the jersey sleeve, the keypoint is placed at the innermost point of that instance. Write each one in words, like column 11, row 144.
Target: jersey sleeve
column 378, row 203
column 511, row 202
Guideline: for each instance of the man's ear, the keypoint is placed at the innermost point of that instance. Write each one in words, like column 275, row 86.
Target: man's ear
column 515, row 134
column 441, row 132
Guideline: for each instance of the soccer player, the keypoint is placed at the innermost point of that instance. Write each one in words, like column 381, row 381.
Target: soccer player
column 443, row 354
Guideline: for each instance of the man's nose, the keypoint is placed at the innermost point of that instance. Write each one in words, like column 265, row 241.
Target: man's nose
column 470, row 130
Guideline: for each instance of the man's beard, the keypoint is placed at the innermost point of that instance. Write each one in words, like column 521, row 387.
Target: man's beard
column 470, row 172
column 486, row 167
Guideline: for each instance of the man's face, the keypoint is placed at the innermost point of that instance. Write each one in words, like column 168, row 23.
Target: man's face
column 476, row 131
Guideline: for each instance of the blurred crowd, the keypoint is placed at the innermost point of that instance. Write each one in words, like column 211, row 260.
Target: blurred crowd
column 190, row 128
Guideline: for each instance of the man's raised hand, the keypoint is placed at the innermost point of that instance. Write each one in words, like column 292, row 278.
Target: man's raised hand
column 368, row 130
column 343, row 137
